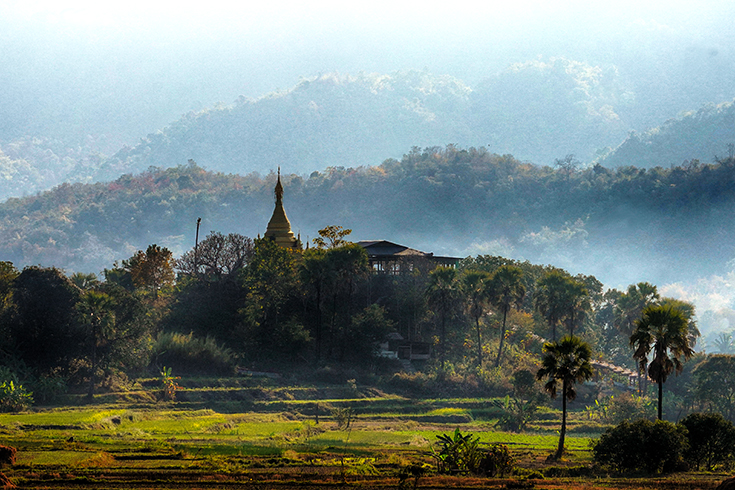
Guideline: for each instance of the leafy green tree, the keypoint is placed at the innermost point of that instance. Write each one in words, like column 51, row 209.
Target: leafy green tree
column 505, row 290
column 367, row 329
column 152, row 269
column 566, row 361
column 715, row 384
column 348, row 266
column 474, row 287
column 578, row 303
column 45, row 330
column 209, row 292
column 665, row 331
column 443, row 294
column 271, row 282
column 8, row 273
column 631, row 304
column 119, row 275
column 316, row 275
column 711, row 440
column 332, row 236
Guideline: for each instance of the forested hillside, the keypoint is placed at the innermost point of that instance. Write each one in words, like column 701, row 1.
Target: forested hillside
column 536, row 111
column 701, row 135
column 621, row 225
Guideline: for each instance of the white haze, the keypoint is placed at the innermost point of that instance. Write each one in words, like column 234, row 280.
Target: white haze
column 115, row 71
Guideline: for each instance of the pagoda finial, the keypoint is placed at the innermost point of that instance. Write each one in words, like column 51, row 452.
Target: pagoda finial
column 279, row 187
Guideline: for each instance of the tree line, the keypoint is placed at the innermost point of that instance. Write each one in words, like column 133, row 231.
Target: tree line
column 234, row 300
column 439, row 192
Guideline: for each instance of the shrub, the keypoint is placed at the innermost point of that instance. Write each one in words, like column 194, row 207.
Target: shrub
column 47, row 388
column 191, row 355
column 516, row 413
column 642, row 445
column 13, row 397
column 495, row 461
column 622, row 407
column 711, row 439
column 460, row 453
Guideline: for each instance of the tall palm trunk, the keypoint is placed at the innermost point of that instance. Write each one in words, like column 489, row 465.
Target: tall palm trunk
column 479, row 342
column 443, row 334
column 660, row 398
column 90, row 393
column 502, row 338
column 563, row 432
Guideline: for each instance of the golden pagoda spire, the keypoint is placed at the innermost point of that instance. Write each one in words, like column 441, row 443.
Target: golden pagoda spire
column 279, row 187
column 279, row 228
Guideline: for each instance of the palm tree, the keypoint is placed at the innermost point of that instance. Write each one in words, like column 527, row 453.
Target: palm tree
column 475, row 291
column 629, row 308
column 95, row 308
column 442, row 294
column 663, row 329
column 505, row 291
column 559, row 297
column 578, row 302
column 568, row 361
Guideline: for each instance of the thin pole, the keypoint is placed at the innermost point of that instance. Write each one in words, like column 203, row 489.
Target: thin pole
column 196, row 248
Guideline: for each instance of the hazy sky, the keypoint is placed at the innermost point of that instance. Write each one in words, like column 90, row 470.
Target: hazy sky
column 147, row 62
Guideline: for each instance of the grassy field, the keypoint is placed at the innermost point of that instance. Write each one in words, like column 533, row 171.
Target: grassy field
column 253, row 433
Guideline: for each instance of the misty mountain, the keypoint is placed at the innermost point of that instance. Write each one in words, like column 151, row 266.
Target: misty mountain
column 537, row 111
column 534, row 111
column 696, row 135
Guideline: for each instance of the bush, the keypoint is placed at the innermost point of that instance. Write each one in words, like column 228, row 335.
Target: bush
column 460, row 453
column 516, row 413
column 48, row 388
column 711, row 440
column 642, row 445
column 191, row 355
column 622, row 407
column 13, row 397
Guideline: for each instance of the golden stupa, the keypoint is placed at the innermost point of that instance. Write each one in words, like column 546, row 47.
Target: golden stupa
column 279, row 228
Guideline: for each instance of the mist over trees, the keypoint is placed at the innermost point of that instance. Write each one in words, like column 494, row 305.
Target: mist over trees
column 447, row 200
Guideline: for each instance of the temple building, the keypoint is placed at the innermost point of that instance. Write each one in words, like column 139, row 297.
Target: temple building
column 384, row 256
column 279, row 228
column 392, row 258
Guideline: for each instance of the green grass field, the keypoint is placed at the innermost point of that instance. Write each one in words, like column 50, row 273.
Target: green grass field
column 276, row 442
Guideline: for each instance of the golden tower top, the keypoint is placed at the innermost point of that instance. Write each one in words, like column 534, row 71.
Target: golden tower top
column 279, row 228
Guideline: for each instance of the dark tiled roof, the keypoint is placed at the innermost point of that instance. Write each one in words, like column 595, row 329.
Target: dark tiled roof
column 384, row 248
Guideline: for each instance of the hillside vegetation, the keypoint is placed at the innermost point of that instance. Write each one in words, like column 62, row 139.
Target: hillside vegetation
column 697, row 135
column 533, row 110
column 620, row 224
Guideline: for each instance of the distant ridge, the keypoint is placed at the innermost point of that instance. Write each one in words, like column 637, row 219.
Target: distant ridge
column 697, row 135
